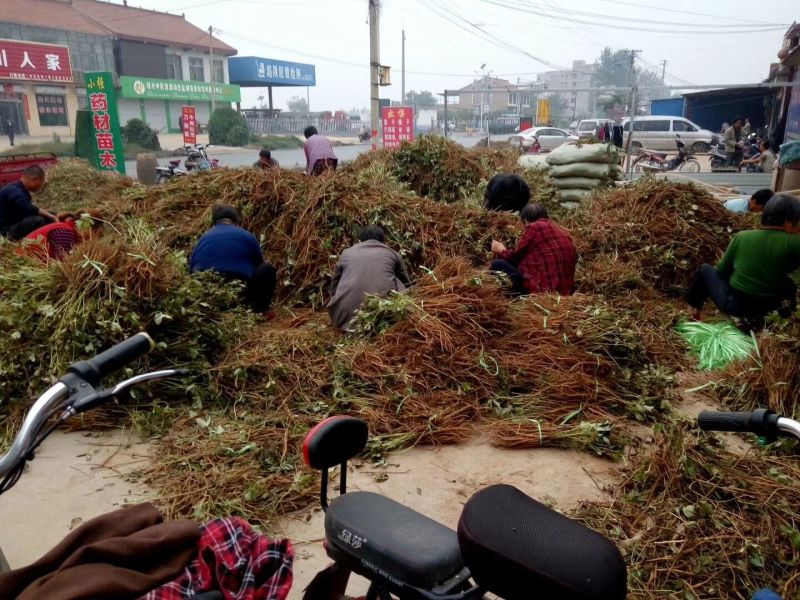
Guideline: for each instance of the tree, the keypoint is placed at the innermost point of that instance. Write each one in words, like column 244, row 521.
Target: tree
column 222, row 121
column 424, row 98
column 297, row 104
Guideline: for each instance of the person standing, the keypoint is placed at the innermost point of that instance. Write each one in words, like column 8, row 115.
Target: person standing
column 16, row 202
column 9, row 127
column 235, row 253
column 368, row 267
column 746, row 128
column 733, row 142
column 319, row 152
column 544, row 259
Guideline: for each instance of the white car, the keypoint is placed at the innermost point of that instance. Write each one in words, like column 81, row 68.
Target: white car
column 549, row 138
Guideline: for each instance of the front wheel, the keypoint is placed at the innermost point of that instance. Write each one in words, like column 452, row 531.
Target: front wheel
column 161, row 179
column 690, row 166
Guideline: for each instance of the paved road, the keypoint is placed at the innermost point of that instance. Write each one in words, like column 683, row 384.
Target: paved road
column 746, row 183
column 290, row 159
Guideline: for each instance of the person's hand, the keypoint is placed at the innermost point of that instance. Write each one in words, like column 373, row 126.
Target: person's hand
column 497, row 247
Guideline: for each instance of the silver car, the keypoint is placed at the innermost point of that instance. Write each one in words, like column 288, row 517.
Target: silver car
column 549, row 138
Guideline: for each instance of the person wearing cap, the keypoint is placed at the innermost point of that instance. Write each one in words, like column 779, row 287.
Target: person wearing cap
column 265, row 160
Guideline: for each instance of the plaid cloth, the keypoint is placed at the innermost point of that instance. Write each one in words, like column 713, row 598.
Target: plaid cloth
column 546, row 257
column 235, row 560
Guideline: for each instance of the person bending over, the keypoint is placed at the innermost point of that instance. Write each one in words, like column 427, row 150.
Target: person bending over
column 319, row 152
column 544, row 259
column 506, row 192
column 368, row 267
column 753, row 204
column 752, row 279
column 16, row 202
column 55, row 240
column 235, row 253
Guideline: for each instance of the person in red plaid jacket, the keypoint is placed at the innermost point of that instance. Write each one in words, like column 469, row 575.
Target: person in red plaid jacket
column 544, row 259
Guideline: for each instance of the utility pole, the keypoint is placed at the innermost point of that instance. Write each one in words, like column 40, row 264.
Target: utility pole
column 374, row 63
column 403, row 74
column 632, row 111
column 211, row 64
column 663, row 71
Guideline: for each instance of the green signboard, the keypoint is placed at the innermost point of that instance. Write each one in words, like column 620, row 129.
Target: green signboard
column 102, row 97
column 171, row 89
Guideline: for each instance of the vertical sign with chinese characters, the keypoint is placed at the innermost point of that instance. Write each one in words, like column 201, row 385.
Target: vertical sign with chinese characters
column 105, row 121
column 189, row 124
column 398, row 125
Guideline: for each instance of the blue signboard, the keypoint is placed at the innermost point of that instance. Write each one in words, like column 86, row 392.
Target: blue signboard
column 252, row 71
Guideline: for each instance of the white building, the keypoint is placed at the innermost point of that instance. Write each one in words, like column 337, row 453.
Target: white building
column 579, row 76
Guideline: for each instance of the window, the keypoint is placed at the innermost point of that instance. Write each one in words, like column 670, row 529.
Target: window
column 219, row 72
column 683, row 126
column 174, row 67
column 513, row 98
column 52, row 110
column 653, row 125
column 196, row 70
column 587, row 126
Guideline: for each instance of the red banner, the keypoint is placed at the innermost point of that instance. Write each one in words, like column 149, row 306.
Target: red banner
column 26, row 107
column 189, row 124
column 398, row 125
column 34, row 62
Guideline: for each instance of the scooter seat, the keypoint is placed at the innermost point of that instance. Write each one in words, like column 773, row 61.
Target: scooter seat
column 385, row 536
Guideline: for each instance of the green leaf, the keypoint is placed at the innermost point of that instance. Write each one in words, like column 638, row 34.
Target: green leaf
column 688, row 511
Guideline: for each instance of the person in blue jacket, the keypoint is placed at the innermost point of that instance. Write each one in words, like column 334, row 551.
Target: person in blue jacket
column 235, row 253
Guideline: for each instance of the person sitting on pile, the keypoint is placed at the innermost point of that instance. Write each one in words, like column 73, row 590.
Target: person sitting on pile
column 55, row 240
column 16, row 202
column 752, row 279
column 235, row 253
column 506, row 192
column 753, row 204
column 544, row 259
column 368, row 267
column 265, row 160
column 319, row 152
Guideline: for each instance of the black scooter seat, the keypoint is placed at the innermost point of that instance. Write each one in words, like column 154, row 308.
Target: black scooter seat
column 383, row 535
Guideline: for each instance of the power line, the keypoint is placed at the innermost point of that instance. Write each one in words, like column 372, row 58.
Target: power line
column 684, row 12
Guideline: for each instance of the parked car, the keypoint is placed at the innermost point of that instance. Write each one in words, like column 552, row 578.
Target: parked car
column 588, row 127
column 550, row 138
column 658, row 133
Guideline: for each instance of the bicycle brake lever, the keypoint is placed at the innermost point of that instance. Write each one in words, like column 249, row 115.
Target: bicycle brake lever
column 95, row 399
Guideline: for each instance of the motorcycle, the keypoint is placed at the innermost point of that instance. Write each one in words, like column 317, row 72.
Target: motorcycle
column 364, row 136
column 718, row 157
column 506, row 544
column 164, row 174
column 656, row 162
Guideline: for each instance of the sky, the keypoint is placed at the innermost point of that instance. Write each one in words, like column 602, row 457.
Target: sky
column 447, row 41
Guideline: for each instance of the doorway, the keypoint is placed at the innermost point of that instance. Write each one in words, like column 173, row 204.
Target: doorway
column 11, row 108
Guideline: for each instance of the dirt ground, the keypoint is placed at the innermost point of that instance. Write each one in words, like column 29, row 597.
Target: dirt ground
column 77, row 476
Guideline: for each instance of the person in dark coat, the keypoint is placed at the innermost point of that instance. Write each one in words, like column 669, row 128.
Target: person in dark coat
column 16, row 202
column 506, row 192
column 368, row 267
column 9, row 127
column 234, row 252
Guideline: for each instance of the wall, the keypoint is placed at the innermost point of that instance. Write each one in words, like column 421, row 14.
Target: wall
column 139, row 59
column 672, row 107
column 711, row 111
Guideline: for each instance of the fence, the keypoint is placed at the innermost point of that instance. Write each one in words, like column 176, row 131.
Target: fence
column 339, row 127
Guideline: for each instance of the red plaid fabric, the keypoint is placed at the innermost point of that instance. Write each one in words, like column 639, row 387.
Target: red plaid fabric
column 546, row 257
column 236, row 561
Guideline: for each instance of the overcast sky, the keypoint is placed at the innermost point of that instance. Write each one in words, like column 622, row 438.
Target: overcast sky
column 732, row 41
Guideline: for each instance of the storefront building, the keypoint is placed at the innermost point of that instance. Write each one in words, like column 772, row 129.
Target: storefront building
column 134, row 44
column 159, row 101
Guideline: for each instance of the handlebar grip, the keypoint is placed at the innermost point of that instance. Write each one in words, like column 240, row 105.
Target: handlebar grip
column 113, row 359
column 761, row 421
column 724, row 421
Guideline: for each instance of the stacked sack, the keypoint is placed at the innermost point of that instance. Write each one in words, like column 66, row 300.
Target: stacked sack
column 578, row 169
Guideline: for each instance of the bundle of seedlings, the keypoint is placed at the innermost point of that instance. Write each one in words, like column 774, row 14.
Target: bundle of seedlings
column 696, row 521
column 664, row 229
column 74, row 183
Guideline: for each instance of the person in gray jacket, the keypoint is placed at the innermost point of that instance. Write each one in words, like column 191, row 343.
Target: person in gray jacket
column 368, row 267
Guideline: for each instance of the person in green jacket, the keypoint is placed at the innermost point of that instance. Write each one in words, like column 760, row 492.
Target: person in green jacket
column 752, row 279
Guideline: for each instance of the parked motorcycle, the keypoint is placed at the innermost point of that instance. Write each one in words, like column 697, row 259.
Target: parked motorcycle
column 164, row 174
column 718, row 157
column 364, row 136
column 656, row 162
